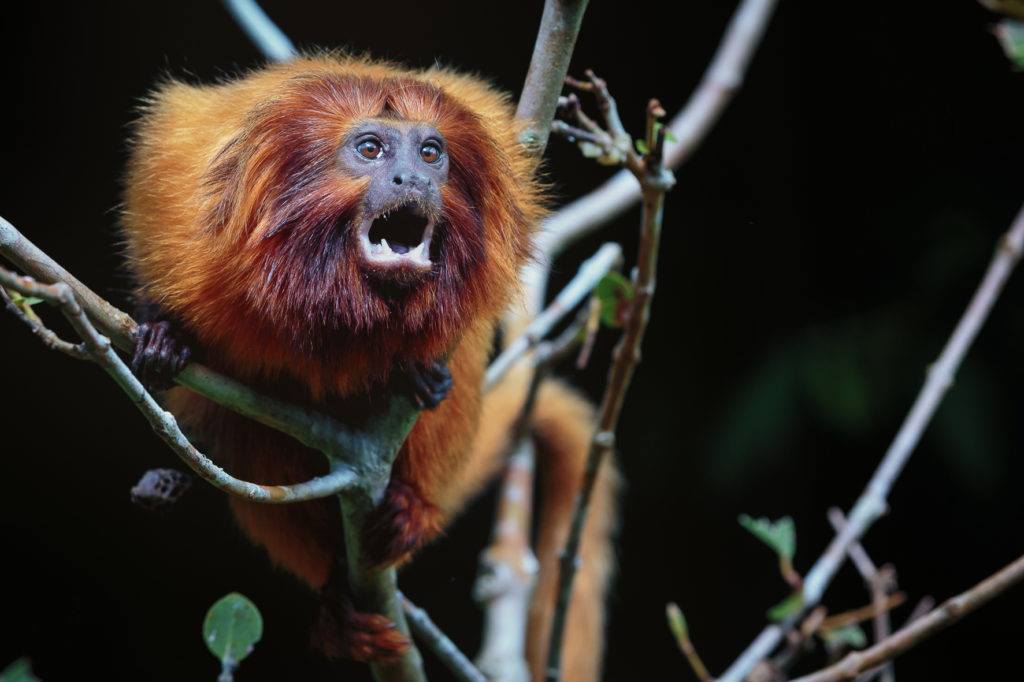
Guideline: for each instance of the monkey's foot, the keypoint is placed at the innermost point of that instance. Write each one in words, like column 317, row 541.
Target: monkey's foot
column 359, row 636
column 159, row 355
column 401, row 522
column 427, row 385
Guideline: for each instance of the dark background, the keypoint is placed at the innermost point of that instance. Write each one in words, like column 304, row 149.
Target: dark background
column 818, row 249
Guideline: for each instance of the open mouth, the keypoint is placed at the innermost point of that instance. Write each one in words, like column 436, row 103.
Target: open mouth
column 398, row 238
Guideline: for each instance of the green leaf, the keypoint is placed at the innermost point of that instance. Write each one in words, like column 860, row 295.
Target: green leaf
column 641, row 146
column 670, row 136
column 677, row 621
column 847, row 636
column 614, row 292
column 232, row 627
column 18, row 299
column 791, row 605
column 780, row 535
column 19, row 671
column 1011, row 37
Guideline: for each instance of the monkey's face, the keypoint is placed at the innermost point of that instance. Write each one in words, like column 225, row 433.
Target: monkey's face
column 380, row 211
column 406, row 166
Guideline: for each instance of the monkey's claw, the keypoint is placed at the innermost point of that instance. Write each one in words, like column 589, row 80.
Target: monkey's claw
column 428, row 384
column 359, row 636
column 401, row 522
column 159, row 354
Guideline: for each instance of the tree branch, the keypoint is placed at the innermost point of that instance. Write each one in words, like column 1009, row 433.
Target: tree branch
column 313, row 429
column 427, row 631
column 880, row 583
column 721, row 81
column 556, row 38
column 360, row 460
column 872, row 502
column 23, row 311
column 655, row 180
column 97, row 348
column 261, row 29
column 951, row 611
column 590, row 273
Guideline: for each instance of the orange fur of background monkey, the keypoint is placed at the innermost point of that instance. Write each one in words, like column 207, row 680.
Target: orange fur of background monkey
column 231, row 215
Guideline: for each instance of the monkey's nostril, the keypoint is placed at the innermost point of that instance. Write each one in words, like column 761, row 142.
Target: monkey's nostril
column 398, row 180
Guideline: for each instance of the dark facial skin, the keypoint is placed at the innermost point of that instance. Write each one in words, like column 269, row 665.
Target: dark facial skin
column 407, row 165
column 403, row 160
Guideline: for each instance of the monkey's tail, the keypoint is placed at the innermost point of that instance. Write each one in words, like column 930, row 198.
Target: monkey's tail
column 562, row 429
column 563, row 423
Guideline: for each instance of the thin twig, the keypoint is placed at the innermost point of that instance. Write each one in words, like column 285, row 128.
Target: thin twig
column 655, row 181
column 23, row 311
column 590, row 273
column 681, row 633
column 261, row 29
column 98, row 349
column 922, row 609
column 721, row 81
column 880, row 583
column 798, row 641
column 427, row 632
column 951, row 611
column 872, row 502
column 857, row 615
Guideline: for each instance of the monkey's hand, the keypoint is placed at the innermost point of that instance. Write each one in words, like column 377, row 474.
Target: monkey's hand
column 343, row 632
column 426, row 385
column 160, row 353
column 401, row 522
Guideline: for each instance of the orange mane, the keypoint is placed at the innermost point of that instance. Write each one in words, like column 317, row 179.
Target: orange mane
column 236, row 218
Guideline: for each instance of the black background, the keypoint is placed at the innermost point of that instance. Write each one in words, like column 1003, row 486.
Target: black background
column 818, row 249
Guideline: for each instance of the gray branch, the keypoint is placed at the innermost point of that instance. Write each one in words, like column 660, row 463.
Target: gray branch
column 556, row 38
column 872, row 502
column 261, row 29
column 427, row 632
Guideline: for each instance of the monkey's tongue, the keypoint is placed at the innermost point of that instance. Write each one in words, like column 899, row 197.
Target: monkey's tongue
column 400, row 238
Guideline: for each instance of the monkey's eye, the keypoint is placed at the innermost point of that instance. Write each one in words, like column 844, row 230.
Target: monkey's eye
column 370, row 149
column 430, row 152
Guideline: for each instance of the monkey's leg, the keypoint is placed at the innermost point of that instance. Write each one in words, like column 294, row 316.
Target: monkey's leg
column 343, row 632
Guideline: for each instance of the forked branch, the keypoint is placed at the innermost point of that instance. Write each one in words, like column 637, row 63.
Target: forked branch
column 873, row 501
column 655, row 181
column 951, row 611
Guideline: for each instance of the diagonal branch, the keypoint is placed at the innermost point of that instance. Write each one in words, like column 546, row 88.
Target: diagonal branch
column 360, row 460
column 951, row 611
column 590, row 273
column 872, row 502
column 427, row 631
column 879, row 581
column 261, row 29
column 313, row 429
column 721, row 81
column 97, row 348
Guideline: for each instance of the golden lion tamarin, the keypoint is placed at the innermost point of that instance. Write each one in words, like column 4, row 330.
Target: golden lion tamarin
column 330, row 229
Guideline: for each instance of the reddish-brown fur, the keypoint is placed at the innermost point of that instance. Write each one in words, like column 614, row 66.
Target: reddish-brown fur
column 234, row 222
